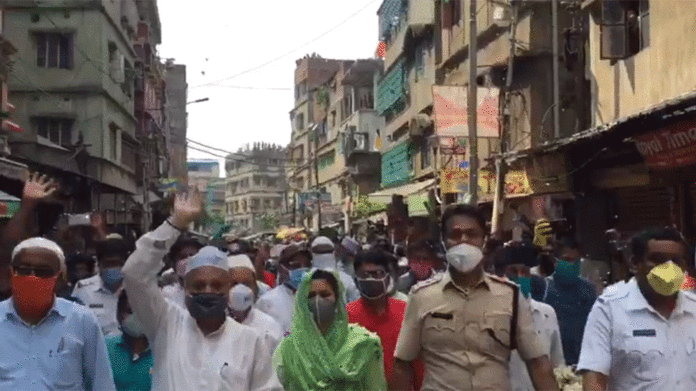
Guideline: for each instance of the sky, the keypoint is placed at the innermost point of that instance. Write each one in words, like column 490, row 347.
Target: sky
column 218, row 39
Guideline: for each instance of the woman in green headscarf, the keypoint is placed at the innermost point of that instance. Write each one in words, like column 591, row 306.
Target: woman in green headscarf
column 323, row 351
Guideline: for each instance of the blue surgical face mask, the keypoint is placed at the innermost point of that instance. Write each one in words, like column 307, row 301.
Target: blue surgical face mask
column 295, row 276
column 112, row 278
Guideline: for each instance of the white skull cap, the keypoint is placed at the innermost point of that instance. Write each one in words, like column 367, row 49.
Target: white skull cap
column 322, row 241
column 208, row 256
column 43, row 243
column 241, row 260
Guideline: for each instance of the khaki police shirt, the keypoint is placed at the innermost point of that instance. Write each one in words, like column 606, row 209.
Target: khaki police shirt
column 463, row 335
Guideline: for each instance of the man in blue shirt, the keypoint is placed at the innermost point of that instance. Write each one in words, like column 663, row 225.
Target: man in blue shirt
column 48, row 343
column 131, row 358
column 571, row 297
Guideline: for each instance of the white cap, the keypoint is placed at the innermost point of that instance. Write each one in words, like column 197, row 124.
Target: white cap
column 241, row 260
column 323, row 243
column 208, row 256
column 43, row 243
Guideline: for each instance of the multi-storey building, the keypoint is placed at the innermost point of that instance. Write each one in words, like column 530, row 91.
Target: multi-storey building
column 11, row 173
column 74, row 93
column 153, row 158
column 633, row 167
column 176, row 123
column 255, row 193
column 346, row 126
column 311, row 72
column 544, row 98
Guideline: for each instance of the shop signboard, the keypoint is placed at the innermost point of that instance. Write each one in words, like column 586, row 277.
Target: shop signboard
column 670, row 147
column 450, row 111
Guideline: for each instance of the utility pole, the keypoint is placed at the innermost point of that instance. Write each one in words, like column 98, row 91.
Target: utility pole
column 473, row 103
column 506, row 122
column 555, row 71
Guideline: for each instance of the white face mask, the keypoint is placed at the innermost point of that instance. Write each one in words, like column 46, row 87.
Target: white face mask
column 464, row 257
column 241, row 298
column 132, row 326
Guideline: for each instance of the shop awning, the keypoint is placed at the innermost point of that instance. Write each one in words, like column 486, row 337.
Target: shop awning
column 385, row 196
column 13, row 170
column 654, row 117
column 152, row 198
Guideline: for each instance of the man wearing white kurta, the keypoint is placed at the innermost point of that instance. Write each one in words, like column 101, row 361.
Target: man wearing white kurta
column 198, row 349
column 242, row 298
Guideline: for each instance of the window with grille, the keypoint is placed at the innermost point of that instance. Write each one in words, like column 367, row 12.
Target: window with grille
column 625, row 28
column 54, row 50
column 56, row 130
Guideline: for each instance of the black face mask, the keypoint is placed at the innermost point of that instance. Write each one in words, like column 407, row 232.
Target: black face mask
column 207, row 306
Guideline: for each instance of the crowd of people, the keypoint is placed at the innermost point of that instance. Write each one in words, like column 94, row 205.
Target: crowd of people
column 170, row 312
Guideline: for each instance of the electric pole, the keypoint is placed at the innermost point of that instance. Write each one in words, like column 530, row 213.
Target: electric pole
column 506, row 122
column 472, row 104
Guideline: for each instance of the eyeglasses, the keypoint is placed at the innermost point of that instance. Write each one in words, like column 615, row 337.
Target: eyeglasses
column 28, row 271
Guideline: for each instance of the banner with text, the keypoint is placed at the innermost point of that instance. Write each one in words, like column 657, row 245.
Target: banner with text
column 669, row 147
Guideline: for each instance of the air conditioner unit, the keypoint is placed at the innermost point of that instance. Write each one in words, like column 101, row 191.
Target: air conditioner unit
column 418, row 124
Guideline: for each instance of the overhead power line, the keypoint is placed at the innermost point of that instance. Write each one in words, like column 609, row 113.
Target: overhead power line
column 244, row 159
column 322, row 35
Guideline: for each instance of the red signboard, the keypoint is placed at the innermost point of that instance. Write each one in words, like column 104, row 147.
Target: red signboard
column 669, row 147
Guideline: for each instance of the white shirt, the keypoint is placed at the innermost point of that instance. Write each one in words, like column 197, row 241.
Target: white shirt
column 266, row 326
column 546, row 323
column 279, row 303
column 233, row 358
column 176, row 294
column 328, row 262
column 636, row 347
column 101, row 301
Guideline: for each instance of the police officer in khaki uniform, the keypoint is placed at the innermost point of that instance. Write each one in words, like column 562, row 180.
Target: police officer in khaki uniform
column 463, row 324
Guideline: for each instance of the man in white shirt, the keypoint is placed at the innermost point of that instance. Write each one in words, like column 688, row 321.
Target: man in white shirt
column 642, row 334
column 279, row 302
column 323, row 258
column 243, row 295
column 198, row 348
column 100, row 293
column 515, row 261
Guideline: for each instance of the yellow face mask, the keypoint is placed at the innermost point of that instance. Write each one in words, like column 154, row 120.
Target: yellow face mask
column 666, row 279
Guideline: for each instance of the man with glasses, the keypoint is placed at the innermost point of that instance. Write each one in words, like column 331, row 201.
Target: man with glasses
column 376, row 310
column 48, row 343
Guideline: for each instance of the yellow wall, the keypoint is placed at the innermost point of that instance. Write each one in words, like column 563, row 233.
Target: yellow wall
column 661, row 71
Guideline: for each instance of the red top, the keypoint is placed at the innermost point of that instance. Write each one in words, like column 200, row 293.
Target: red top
column 387, row 326
column 269, row 278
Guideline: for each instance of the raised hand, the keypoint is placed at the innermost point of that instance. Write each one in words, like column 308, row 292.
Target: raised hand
column 187, row 209
column 38, row 188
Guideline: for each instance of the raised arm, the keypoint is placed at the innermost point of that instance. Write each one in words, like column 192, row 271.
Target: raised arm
column 37, row 188
column 140, row 271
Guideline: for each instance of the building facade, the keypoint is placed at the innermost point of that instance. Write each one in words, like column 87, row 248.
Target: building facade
column 256, row 188
column 74, row 91
column 177, row 122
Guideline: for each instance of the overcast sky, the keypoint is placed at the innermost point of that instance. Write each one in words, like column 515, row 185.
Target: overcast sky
column 218, row 39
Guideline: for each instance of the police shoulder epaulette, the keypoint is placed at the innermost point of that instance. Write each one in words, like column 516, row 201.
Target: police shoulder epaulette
column 503, row 280
column 690, row 295
column 82, row 284
column 430, row 281
column 614, row 292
